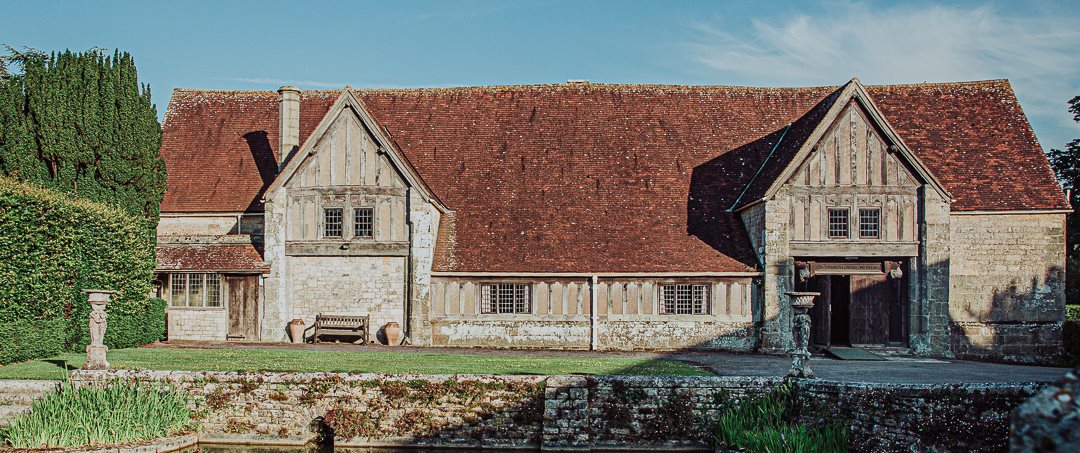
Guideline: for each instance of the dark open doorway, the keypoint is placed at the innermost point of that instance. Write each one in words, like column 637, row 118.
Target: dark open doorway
column 840, row 309
column 867, row 307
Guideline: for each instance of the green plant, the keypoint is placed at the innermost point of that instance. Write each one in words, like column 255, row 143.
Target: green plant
column 765, row 424
column 51, row 248
column 111, row 413
column 1072, row 312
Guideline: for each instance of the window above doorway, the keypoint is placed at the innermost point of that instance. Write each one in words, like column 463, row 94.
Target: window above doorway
column 838, row 223
column 869, row 223
column 332, row 222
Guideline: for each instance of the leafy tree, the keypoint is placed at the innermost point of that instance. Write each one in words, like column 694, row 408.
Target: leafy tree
column 1066, row 164
column 80, row 123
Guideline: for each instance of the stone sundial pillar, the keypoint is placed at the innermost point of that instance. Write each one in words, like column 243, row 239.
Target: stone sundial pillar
column 95, row 351
column 801, row 303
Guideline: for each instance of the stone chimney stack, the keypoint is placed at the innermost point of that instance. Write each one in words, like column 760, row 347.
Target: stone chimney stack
column 288, row 123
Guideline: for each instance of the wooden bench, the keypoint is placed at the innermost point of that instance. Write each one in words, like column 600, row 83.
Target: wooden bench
column 342, row 326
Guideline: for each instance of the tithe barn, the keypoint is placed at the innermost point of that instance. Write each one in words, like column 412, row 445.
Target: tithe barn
column 616, row 217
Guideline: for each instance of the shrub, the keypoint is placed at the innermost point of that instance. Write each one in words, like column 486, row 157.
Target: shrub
column 51, row 248
column 1072, row 312
column 117, row 412
column 766, row 425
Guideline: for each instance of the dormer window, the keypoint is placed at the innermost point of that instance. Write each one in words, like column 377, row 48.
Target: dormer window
column 332, row 222
column 838, row 223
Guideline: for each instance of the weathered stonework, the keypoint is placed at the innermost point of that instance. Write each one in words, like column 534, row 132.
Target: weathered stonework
column 196, row 324
column 354, row 285
column 1049, row 421
column 1007, row 285
column 570, row 412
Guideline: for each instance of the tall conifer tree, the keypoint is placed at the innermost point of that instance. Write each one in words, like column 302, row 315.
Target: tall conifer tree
column 80, row 123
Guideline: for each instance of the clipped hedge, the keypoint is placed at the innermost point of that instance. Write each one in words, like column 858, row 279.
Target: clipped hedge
column 51, row 248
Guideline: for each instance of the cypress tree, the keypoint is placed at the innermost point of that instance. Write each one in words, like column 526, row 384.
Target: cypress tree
column 82, row 124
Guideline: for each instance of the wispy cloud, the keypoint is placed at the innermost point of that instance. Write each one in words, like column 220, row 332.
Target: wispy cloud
column 903, row 44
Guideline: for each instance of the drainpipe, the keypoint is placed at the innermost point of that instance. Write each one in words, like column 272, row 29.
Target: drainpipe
column 592, row 314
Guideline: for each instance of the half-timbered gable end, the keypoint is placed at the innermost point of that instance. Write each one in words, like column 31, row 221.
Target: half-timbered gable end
column 600, row 216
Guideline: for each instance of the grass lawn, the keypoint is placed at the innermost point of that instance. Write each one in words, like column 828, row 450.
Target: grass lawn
column 348, row 361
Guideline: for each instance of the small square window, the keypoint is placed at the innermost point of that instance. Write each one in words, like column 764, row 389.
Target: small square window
column 870, row 223
column 838, row 223
column 332, row 222
column 363, row 222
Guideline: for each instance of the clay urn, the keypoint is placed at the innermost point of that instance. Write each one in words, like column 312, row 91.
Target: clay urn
column 393, row 333
column 296, row 331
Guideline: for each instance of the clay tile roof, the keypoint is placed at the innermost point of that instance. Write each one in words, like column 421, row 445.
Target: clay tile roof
column 602, row 178
column 214, row 257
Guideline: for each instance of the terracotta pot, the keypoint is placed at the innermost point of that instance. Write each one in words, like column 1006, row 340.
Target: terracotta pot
column 296, row 331
column 393, row 333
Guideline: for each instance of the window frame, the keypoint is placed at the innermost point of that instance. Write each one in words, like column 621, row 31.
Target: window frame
column 491, row 298
column 691, row 305
column 356, row 222
column 847, row 222
column 340, row 223
column 205, row 302
column 876, row 223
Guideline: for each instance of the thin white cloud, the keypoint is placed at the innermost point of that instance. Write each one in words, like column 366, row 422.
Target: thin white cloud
column 902, row 44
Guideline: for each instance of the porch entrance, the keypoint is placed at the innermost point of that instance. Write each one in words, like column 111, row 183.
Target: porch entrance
column 861, row 304
column 243, row 307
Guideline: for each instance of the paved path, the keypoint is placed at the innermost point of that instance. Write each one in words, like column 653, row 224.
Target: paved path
column 894, row 370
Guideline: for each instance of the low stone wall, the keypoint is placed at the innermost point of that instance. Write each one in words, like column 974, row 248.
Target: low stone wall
column 569, row 412
column 891, row 417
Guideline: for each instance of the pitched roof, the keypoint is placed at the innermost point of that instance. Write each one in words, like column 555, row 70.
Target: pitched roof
column 210, row 257
column 602, row 178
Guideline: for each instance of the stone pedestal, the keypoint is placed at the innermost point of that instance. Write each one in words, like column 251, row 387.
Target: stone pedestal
column 95, row 351
column 801, row 303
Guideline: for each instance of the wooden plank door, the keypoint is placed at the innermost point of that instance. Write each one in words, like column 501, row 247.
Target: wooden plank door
column 871, row 299
column 243, row 307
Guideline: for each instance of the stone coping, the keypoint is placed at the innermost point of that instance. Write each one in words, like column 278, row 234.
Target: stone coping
column 161, row 445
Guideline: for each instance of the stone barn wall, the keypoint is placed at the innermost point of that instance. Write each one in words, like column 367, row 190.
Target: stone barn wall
column 1007, row 285
column 354, row 285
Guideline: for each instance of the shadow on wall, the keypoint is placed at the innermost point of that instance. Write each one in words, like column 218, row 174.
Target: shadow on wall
column 1022, row 322
column 265, row 163
column 714, row 187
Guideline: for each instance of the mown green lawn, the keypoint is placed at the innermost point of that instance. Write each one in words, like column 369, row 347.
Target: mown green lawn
column 349, row 361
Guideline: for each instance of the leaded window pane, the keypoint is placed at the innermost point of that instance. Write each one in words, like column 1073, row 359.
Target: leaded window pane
column 505, row 298
column 178, row 290
column 213, row 290
column 838, row 223
column 332, row 222
column 684, row 299
column 870, row 223
column 196, row 291
column 363, row 222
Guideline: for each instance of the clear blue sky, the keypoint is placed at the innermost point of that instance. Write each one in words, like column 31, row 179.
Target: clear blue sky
column 262, row 45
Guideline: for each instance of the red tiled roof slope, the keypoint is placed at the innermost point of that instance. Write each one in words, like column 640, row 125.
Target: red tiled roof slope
column 211, row 257
column 602, row 178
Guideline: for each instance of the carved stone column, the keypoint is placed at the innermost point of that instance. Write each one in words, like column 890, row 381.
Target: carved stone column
column 95, row 351
column 801, row 303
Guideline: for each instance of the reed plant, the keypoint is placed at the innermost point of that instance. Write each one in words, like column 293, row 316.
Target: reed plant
column 766, row 424
column 116, row 412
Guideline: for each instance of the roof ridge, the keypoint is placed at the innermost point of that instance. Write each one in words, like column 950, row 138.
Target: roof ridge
column 588, row 87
